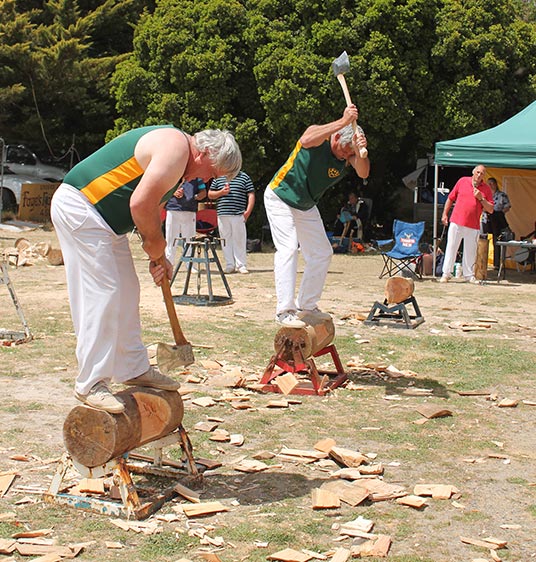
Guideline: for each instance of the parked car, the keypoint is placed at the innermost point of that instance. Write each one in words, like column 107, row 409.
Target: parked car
column 12, row 186
column 22, row 160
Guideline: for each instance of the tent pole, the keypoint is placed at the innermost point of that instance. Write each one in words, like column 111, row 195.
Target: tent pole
column 434, row 254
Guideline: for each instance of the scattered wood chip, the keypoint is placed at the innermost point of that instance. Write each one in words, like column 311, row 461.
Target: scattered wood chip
column 7, row 546
column 508, row 403
column 205, row 426
column 289, row 555
column 340, row 555
column 248, row 465
column 412, row 501
column 281, row 403
column 5, row 483
column 431, row 411
column 359, row 524
column 113, row 545
column 378, row 547
column 474, row 392
column 347, row 457
column 286, row 383
column 211, row 365
column 221, row 435
column 324, row 499
column 186, row 493
column 32, row 534
column 237, row 439
column 325, row 445
column 482, row 543
column 210, row 556
column 437, row 491
column 206, row 508
column 380, row 490
column 348, row 492
column 204, row 401
column 529, row 402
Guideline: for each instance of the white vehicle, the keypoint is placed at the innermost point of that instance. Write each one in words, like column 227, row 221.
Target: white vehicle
column 11, row 186
column 22, row 160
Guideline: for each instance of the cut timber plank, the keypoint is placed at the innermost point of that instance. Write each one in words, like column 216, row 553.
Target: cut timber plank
column 324, row 499
column 207, row 508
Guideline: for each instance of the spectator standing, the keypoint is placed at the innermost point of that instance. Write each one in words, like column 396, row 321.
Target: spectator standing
column 471, row 196
column 234, row 200
column 180, row 214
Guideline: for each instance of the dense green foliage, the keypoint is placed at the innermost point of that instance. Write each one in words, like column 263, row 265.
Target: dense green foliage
column 421, row 71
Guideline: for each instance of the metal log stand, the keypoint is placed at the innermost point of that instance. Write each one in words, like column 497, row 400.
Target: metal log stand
column 295, row 350
column 9, row 335
column 131, row 504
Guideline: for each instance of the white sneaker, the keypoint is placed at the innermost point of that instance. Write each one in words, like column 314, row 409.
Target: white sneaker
column 289, row 320
column 473, row 280
column 444, row 279
column 101, row 398
column 243, row 270
column 316, row 313
column 229, row 270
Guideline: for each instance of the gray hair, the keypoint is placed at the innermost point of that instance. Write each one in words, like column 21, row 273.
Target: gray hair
column 222, row 149
column 346, row 134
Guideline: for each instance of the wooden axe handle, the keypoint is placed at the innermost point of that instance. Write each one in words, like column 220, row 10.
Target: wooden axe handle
column 170, row 306
column 363, row 152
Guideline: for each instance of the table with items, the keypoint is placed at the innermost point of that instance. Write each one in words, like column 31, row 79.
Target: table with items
column 525, row 253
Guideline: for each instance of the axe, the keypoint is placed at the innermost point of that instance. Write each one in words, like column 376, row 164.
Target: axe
column 339, row 66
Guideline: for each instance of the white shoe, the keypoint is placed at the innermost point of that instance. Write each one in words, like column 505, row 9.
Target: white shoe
column 315, row 313
column 229, row 270
column 444, row 279
column 243, row 270
column 101, row 398
column 289, row 320
column 473, row 280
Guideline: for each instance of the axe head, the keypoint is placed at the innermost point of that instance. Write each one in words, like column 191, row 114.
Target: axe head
column 341, row 64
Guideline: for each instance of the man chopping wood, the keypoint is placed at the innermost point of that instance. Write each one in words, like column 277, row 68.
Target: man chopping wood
column 124, row 185
column 320, row 159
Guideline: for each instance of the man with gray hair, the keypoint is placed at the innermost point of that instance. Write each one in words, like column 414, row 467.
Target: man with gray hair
column 124, row 185
column 320, row 159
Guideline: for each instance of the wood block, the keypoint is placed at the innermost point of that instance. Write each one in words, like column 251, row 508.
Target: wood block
column 55, row 257
column 289, row 555
column 207, row 508
column 432, row 411
column 347, row 492
column 286, row 383
column 324, row 499
column 398, row 289
column 91, row 486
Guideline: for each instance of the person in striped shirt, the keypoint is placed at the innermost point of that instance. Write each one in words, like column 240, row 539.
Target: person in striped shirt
column 124, row 184
column 321, row 158
column 234, row 200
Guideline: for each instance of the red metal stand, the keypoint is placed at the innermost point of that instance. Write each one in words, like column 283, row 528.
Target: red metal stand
column 313, row 384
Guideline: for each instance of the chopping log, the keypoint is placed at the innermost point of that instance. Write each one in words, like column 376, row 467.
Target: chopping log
column 93, row 437
column 317, row 334
column 481, row 263
column 398, row 289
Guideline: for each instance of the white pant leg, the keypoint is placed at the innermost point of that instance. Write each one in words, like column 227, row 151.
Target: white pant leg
column 225, row 229
column 103, row 292
column 239, row 238
column 454, row 238
column 470, row 246
column 317, row 253
column 285, row 239
column 179, row 224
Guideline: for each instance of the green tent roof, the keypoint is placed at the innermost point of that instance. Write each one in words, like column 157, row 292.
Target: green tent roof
column 511, row 144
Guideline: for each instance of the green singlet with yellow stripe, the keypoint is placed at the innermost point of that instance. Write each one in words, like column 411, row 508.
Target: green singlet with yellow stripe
column 307, row 175
column 110, row 175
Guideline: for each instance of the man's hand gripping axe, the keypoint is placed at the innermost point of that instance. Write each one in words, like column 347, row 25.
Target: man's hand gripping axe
column 341, row 65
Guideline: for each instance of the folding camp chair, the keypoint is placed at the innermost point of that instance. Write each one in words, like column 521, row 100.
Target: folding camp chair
column 404, row 256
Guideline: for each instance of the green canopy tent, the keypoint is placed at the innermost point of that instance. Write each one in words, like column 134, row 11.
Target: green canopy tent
column 509, row 153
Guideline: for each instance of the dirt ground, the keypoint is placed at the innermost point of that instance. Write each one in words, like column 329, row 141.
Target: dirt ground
column 494, row 466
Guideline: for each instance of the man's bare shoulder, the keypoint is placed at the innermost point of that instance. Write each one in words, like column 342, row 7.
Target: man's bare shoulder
column 167, row 142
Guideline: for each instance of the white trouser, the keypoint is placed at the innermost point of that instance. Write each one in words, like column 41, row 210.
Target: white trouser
column 291, row 228
column 179, row 224
column 104, row 292
column 469, row 236
column 232, row 228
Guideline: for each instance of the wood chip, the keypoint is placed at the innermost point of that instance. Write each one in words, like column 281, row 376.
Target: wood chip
column 325, row 445
column 340, row 555
column 282, row 403
column 437, row 491
column 186, row 493
column 324, row 499
column 204, row 401
column 205, row 426
column 347, row 457
column 481, row 543
column 508, row 403
column 7, row 546
column 206, row 508
column 378, row 547
column 221, row 435
column 412, row 501
column 32, row 534
column 113, row 545
column 286, row 383
column 289, row 555
column 431, row 411
column 348, row 492
column 5, row 483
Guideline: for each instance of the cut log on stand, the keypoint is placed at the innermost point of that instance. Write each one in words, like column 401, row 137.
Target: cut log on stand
column 398, row 289
column 316, row 335
column 93, row 437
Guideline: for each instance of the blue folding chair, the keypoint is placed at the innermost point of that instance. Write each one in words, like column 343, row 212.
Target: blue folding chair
column 404, row 256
